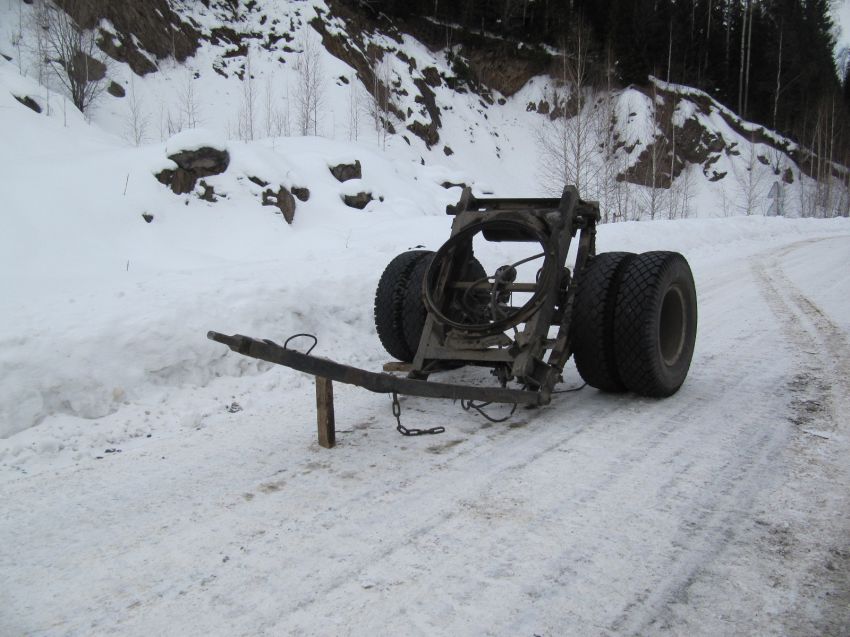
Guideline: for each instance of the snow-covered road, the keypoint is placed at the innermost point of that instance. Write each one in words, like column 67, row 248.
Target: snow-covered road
column 724, row 510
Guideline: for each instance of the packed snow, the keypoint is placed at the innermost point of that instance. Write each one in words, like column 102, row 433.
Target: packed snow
column 153, row 482
column 195, row 139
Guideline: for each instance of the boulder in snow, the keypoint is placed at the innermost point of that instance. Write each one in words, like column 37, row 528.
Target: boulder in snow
column 206, row 192
column 283, row 199
column 344, row 172
column 115, row 89
column 197, row 154
column 359, row 200
column 29, row 102
column 303, row 194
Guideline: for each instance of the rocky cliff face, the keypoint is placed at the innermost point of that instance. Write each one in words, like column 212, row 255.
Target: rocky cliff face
column 138, row 33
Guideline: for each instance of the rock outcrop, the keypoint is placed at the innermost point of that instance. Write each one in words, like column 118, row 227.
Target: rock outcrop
column 192, row 165
column 140, row 30
column 344, row 172
column 283, row 200
column 359, row 200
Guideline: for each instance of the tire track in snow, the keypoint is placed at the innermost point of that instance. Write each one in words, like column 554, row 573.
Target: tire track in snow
column 703, row 497
column 723, row 510
column 773, row 548
column 637, row 457
column 821, row 399
column 542, row 427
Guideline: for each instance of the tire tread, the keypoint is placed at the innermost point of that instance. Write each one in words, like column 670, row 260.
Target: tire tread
column 593, row 321
column 636, row 326
column 389, row 302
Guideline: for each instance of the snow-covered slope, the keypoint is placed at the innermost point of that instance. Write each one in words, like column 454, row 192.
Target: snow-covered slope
column 74, row 228
column 245, row 81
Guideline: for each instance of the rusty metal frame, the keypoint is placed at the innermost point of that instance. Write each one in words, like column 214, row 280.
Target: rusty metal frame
column 552, row 222
column 557, row 221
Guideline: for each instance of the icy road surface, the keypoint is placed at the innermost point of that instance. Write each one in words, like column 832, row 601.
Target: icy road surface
column 724, row 510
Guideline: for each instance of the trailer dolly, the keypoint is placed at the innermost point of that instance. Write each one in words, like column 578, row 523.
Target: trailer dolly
column 629, row 320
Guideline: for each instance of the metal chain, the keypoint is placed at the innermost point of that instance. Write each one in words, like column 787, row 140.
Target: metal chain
column 479, row 407
column 404, row 431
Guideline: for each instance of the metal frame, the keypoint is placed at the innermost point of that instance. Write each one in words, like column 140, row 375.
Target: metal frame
column 446, row 344
column 551, row 222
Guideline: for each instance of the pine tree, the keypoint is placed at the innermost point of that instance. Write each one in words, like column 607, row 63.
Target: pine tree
column 771, row 60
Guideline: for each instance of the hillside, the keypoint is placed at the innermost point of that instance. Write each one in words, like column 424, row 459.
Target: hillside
column 242, row 73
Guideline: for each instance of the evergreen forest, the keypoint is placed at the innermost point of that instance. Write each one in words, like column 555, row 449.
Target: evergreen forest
column 769, row 60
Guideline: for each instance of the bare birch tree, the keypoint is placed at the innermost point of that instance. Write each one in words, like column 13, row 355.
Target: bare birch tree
column 355, row 107
column 17, row 37
column 682, row 195
column 246, row 115
column 275, row 118
column 568, row 137
column 187, row 101
column 580, row 127
column 137, row 120
column 778, row 76
column 807, row 189
column 310, row 94
column 36, row 44
column 37, row 21
column 382, row 98
column 553, row 141
column 751, row 177
column 170, row 122
column 652, row 193
column 72, row 54
column 606, row 122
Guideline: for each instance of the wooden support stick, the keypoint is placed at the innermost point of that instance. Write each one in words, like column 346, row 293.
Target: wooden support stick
column 325, row 412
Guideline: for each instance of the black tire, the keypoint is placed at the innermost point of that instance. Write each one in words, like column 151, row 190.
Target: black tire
column 592, row 325
column 389, row 299
column 414, row 312
column 655, row 323
column 413, row 308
